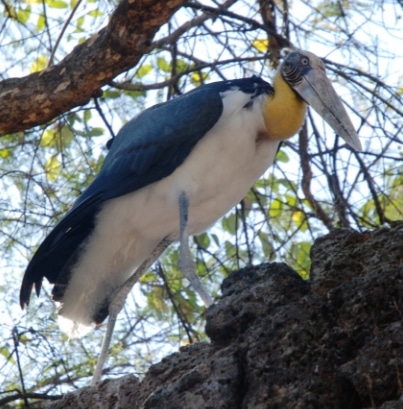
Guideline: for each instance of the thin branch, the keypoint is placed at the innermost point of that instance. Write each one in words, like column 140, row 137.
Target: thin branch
column 307, row 178
column 139, row 87
column 185, row 324
column 64, row 28
column 16, row 340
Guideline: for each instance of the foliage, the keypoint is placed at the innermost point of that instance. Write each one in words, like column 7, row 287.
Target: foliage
column 316, row 185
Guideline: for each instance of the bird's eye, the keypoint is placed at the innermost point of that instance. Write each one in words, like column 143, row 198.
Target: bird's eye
column 304, row 61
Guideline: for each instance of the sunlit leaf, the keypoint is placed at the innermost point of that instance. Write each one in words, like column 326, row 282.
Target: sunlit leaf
column 96, row 13
column 39, row 64
column 198, row 78
column 57, row 4
column 5, row 352
column 291, row 200
column 299, row 219
column 21, row 15
column 40, row 23
column 5, row 153
column 52, row 168
column 48, row 138
column 24, row 14
column 181, row 66
column 301, row 252
column 79, row 24
column 144, row 70
column 87, row 115
column 163, row 65
column 261, row 45
column 276, row 208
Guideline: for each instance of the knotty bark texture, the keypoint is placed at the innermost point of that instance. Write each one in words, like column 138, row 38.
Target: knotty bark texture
column 334, row 342
column 40, row 97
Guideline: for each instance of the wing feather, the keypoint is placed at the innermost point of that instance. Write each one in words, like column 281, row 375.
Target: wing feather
column 147, row 149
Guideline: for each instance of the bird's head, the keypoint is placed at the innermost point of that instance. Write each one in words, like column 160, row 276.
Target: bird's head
column 305, row 73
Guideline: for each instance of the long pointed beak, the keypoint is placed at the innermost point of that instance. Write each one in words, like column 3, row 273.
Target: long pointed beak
column 317, row 91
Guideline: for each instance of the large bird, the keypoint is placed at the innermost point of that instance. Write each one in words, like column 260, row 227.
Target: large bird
column 171, row 172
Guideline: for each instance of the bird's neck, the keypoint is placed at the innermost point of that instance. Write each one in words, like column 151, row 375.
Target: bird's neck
column 283, row 112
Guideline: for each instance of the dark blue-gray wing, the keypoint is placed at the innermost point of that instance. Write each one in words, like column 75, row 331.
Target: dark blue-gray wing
column 147, row 149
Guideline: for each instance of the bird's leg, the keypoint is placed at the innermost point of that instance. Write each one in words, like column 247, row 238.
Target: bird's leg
column 186, row 263
column 118, row 300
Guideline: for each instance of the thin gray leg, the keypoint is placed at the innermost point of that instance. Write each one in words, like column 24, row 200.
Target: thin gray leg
column 118, row 299
column 186, row 263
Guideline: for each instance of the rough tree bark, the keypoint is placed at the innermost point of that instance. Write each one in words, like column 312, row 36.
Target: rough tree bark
column 334, row 342
column 39, row 97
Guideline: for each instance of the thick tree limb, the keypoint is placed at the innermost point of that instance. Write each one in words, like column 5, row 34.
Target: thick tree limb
column 40, row 97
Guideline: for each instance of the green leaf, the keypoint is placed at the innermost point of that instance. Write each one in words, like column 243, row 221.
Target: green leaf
column 111, row 93
column 267, row 248
column 291, row 200
column 276, row 208
column 330, row 9
column 97, row 131
column 87, row 115
column 157, row 301
column 302, row 249
column 67, row 136
column 24, row 15
column 39, row 64
column 5, row 153
column 229, row 223
column 147, row 278
column 181, row 66
column 216, row 239
column 9, row 356
column 298, row 217
column 203, row 240
column 144, row 70
column 48, row 138
column 52, row 168
column 57, row 4
column 229, row 249
column 282, row 157
column 79, row 24
column 96, row 13
column 198, row 78
column 40, row 24
column 163, row 65
column 261, row 45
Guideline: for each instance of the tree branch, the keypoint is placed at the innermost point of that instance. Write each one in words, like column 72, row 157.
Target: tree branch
column 37, row 98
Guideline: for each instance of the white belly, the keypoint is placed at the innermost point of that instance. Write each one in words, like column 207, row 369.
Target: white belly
column 216, row 175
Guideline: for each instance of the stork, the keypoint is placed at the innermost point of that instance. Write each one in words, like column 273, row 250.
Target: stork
column 171, row 172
